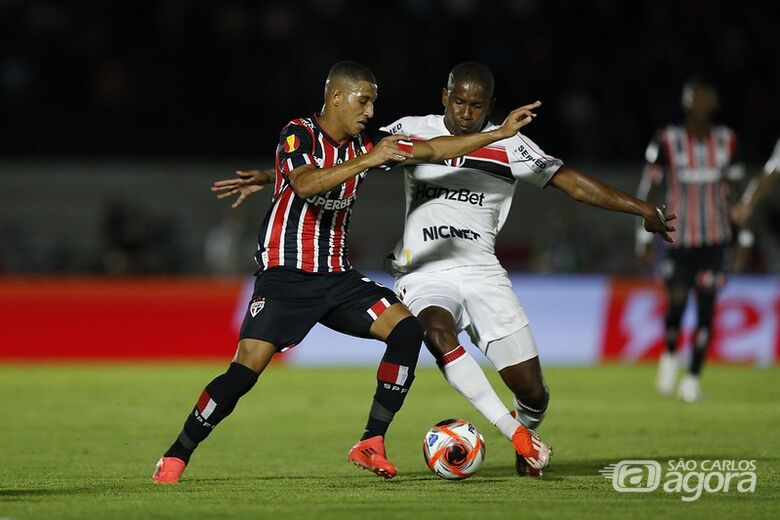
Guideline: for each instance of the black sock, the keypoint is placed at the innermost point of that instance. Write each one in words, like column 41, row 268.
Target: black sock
column 672, row 321
column 217, row 400
column 705, row 301
column 395, row 375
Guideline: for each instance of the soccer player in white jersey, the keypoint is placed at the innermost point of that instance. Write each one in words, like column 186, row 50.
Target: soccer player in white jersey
column 758, row 188
column 445, row 265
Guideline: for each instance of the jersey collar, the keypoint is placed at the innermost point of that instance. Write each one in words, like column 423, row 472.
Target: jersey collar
column 328, row 137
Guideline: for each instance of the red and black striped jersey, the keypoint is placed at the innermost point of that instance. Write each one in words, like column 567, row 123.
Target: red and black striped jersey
column 310, row 234
column 695, row 173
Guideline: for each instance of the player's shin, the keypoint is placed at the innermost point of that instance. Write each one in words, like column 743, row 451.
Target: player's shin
column 705, row 300
column 465, row 376
column 395, row 375
column 216, row 402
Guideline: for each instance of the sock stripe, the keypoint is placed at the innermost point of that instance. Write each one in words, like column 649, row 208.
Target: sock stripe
column 203, row 400
column 392, row 373
column 453, row 355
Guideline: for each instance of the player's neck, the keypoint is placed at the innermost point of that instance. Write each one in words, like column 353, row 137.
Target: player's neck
column 698, row 128
column 331, row 125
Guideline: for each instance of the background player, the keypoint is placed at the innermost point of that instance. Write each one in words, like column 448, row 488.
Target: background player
column 758, row 191
column 305, row 276
column 692, row 167
column 446, row 266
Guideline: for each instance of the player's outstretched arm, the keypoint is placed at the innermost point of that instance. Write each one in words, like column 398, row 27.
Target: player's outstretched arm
column 586, row 189
column 243, row 185
column 755, row 192
column 309, row 180
column 450, row 147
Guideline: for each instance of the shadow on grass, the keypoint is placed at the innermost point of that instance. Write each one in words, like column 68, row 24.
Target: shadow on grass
column 8, row 495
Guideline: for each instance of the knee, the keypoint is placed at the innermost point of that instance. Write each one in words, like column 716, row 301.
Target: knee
column 408, row 331
column 254, row 355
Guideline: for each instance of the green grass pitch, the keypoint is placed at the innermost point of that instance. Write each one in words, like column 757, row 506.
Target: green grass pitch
column 80, row 441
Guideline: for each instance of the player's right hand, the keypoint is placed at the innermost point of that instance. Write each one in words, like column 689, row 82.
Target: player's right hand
column 518, row 118
column 246, row 183
column 387, row 150
column 656, row 221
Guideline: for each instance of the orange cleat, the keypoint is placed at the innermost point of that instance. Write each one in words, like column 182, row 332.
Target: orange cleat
column 534, row 451
column 370, row 454
column 168, row 470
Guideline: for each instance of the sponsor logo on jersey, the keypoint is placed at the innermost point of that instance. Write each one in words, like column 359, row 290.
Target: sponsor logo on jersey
column 443, row 232
column 524, row 155
column 291, row 143
column 256, row 306
column 457, row 162
column 426, row 191
column 331, row 204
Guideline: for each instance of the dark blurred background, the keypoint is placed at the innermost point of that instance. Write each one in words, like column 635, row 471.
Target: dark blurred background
column 116, row 116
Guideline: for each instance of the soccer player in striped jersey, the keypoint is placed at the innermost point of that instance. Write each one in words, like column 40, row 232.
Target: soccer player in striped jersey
column 445, row 265
column 693, row 168
column 304, row 274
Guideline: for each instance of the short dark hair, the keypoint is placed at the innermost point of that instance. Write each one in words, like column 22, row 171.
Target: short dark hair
column 472, row 72
column 352, row 71
column 700, row 82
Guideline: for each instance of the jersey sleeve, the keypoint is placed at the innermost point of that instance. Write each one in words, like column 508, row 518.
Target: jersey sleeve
column 529, row 163
column 655, row 160
column 394, row 128
column 735, row 171
column 295, row 148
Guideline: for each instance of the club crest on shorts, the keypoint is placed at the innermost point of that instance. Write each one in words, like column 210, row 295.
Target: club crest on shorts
column 256, row 306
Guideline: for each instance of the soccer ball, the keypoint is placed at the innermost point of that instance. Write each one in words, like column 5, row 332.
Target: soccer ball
column 454, row 449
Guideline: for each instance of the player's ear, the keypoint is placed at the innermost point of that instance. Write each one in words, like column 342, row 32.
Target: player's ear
column 335, row 96
column 491, row 107
column 445, row 96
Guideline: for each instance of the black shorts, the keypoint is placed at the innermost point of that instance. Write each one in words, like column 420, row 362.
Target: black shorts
column 287, row 303
column 701, row 266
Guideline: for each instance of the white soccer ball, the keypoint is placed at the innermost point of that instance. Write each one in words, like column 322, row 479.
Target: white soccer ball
column 454, row 449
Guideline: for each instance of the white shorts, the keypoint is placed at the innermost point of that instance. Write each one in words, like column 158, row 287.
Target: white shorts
column 482, row 302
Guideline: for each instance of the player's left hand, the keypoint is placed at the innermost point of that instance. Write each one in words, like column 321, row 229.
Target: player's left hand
column 518, row 118
column 656, row 221
column 246, row 183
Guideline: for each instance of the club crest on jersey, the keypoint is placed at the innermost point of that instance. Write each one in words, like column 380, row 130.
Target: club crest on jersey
column 457, row 162
column 291, row 143
column 256, row 306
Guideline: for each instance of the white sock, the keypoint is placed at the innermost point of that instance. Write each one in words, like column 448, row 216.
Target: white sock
column 529, row 417
column 464, row 374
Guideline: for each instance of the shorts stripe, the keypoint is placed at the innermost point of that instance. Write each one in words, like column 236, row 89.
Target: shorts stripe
column 378, row 308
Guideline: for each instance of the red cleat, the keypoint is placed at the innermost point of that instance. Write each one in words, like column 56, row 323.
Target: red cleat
column 168, row 470
column 535, row 453
column 370, row 454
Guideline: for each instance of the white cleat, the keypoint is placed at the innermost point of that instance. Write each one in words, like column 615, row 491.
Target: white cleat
column 690, row 390
column 667, row 374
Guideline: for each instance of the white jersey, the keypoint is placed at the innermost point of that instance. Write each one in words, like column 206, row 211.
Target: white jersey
column 773, row 164
column 455, row 209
